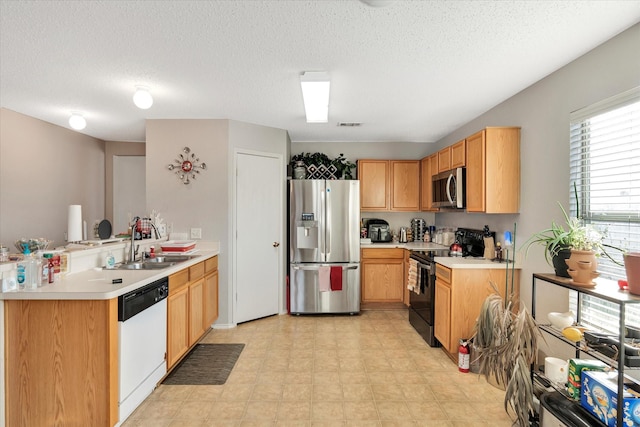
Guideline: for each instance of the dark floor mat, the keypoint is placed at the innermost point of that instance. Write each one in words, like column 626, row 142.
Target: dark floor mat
column 206, row 364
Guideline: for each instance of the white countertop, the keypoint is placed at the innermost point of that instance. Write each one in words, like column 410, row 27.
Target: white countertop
column 95, row 283
column 451, row 262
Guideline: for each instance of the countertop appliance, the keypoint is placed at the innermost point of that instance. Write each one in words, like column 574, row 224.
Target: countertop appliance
column 448, row 189
column 379, row 230
column 421, row 305
column 142, row 325
column 324, row 246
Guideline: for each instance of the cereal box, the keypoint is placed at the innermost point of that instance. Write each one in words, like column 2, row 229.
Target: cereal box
column 600, row 397
column 576, row 366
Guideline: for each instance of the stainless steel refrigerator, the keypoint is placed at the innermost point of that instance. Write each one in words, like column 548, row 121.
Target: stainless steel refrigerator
column 324, row 246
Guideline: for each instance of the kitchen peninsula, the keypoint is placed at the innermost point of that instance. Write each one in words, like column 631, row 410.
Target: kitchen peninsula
column 63, row 341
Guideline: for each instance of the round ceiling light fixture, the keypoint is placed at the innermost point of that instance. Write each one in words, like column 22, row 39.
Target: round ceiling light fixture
column 77, row 121
column 142, row 98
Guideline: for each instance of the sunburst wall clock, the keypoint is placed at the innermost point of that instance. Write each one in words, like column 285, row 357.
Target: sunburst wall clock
column 187, row 166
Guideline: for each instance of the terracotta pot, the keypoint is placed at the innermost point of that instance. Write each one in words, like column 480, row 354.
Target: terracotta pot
column 632, row 267
column 582, row 267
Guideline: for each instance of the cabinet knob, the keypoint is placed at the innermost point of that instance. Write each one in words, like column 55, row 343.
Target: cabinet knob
column 276, row 244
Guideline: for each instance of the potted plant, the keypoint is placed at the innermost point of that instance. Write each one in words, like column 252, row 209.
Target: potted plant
column 343, row 167
column 559, row 242
column 506, row 344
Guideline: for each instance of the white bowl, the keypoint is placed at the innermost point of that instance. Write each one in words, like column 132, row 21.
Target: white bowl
column 561, row 320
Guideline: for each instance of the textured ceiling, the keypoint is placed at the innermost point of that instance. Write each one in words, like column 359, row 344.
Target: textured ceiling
column 411, row 71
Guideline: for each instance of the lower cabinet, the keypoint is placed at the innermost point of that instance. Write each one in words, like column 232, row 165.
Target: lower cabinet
column 192, row 307
column 460, row 293
column 382, row 275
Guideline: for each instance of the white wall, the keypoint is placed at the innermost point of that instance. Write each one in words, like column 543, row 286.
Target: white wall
column 44, row 168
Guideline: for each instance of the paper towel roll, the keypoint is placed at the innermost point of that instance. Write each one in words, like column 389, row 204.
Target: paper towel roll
column 74, row 223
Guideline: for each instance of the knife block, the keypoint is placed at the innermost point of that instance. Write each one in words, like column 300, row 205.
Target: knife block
column 489, row 248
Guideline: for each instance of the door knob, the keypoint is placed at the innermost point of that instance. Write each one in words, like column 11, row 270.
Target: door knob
column 276, row 244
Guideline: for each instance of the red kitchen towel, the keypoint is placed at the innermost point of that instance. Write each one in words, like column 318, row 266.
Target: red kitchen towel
column 336, row 278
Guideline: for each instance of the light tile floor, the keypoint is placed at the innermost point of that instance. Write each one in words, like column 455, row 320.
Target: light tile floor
column 367, row 370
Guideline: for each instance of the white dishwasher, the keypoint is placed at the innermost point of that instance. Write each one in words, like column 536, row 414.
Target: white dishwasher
column 142, row 324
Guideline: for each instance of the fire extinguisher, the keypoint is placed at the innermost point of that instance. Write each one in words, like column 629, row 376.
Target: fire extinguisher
column 463, row 356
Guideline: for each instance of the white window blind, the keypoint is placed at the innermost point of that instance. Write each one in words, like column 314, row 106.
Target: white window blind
column 605, row 168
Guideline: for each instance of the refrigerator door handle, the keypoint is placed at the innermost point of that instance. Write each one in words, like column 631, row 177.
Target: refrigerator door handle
column 327, row 219
column 317, row 267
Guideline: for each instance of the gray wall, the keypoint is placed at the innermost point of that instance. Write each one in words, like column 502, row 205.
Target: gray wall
column 44, row 168
column 206, row 203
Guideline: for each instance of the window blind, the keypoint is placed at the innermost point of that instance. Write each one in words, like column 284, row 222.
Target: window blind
column 605, row 168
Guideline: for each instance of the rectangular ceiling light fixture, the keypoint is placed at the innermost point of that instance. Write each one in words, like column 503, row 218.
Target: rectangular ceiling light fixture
column 315, row 91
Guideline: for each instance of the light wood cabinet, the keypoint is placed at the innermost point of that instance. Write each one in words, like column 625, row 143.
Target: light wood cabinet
column 405, row 185
column 210, row 292
column 389, row 185
column 374, row 176
column 405, row 277
column 444, row 159
column 192, row 307
column 382, row 275
column 61, row 362
column 460, row 293
column 493, row 170
column 428, row 168
column 458, row 154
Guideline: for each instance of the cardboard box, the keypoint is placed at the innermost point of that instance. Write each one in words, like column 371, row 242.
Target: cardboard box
column 600, row 397
column 574, row 378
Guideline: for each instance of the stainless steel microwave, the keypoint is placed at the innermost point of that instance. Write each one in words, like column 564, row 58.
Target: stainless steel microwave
column 448, row 189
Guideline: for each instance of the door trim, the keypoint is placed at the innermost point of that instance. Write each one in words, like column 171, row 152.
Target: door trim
column 232, row 300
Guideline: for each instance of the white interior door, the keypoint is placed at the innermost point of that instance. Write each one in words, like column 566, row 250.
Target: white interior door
column 258, row 245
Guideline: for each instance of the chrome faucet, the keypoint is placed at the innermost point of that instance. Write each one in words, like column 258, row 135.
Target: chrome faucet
column 132, row 250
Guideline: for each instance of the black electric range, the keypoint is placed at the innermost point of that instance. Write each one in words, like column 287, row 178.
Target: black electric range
column 422, row 297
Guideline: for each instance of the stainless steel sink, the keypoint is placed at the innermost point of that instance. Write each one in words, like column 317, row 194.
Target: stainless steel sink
column 144, row 265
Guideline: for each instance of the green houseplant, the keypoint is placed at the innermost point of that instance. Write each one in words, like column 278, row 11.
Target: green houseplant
column 342, row 165
column 558, row 241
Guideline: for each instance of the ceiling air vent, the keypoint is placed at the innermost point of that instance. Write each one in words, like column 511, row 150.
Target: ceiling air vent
column 349, row 124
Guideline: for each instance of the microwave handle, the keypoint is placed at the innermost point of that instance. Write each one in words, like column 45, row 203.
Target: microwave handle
column 451, row 178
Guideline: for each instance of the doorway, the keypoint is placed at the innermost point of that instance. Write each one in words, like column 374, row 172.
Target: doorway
column 258, row 234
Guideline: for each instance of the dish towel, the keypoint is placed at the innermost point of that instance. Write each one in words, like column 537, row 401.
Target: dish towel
column 336, row 278
column 412, row 277
column 324, row 279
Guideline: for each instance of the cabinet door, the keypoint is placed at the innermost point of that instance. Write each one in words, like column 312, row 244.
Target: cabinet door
column 458, row 155
column 405, row 275
column 429, row 167
column 374, row 185
column 475, row 189
column 382, row 280
column 405, row 185
column 442, row 327
column 444, row 160
column 502, row 165
column 177, row 326
column 210, row 299
column 196, row 311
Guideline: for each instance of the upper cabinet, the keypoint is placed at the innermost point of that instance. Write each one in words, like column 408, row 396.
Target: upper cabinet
column 444, row 159
column 374, row 185
column 429, row 167
column 458, row 154
column 389, row 185
column 493, row 170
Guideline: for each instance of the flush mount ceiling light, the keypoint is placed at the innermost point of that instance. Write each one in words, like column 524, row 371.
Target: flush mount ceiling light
column 142, row 98
column 77, row 122
column 315, row 92
column 378, row 3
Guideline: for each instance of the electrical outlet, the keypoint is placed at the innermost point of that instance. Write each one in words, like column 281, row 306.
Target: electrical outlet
column 196, row 233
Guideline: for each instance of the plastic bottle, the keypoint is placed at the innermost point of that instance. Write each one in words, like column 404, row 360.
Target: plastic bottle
column 51, row 269
column 28, row 271
column 44, row 271
column 110, row 261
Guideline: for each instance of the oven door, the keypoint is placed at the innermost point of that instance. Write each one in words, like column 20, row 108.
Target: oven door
column 421, row 305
